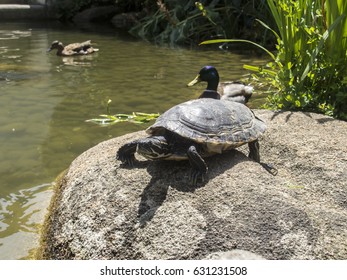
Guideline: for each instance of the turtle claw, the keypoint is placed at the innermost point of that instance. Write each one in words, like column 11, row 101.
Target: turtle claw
column 196, row 176
column 126, row 154
column 270, row 168
column 199, row 168
column 127, row 160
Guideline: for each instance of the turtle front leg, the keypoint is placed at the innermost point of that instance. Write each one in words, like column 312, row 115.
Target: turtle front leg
column 126, row 153
column 199, row 167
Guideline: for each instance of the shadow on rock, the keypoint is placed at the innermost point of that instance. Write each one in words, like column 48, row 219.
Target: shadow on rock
column 176, row 173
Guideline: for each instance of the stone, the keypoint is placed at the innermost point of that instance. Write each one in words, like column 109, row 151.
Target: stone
column 234, row 255
column 127, row 20
column 94, row 14
column 103, row 210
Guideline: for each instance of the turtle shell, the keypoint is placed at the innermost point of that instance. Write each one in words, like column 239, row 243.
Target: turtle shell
column 217, row 125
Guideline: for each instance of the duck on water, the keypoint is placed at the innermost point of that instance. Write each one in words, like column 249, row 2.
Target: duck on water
column 235, row 91
column 83, row 48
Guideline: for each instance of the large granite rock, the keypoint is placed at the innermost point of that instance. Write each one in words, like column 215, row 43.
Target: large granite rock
column 102, row 210
column 127, row 20
column 102, row 13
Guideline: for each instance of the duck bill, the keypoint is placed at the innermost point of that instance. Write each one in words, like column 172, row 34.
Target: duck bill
column 195, row 81
column 49, row 49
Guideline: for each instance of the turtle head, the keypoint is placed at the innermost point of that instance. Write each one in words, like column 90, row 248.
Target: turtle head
column 154, row 147
column 207, row 74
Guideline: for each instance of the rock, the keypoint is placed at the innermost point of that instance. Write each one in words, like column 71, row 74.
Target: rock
column 94, row 14
column 234, row 255
column 25, row 11
column 127, row 20
column 103, row 210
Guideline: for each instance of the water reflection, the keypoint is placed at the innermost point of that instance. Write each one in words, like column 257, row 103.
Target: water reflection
column 45, row 100
column 83, row 61
column 21, row 217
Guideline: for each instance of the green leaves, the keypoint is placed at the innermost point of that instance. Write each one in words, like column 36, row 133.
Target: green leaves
column 135, row 117
column 320, row 46
column 309, row 68
column 205, row 12
column 187, row 22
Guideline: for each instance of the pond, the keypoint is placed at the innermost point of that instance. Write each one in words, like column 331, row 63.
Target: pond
column 45, row 100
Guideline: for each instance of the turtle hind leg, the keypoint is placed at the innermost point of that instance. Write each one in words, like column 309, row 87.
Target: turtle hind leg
column 254, row 154
column 199, row 167
column 254, row 151
column 126, row 153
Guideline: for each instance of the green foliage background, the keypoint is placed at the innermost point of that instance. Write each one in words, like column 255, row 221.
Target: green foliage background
column 310, row 69
column 181, row 22
column 185, row 22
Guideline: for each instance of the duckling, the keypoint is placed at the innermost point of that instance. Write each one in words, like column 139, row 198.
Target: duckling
column 73, row 49
column 235, row 91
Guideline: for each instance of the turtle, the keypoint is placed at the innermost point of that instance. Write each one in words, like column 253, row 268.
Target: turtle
column 194, row 130
column 231, row 90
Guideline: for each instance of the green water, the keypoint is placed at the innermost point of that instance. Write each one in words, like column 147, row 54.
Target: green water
column 45, row 100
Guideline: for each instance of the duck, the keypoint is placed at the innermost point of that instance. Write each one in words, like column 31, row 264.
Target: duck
column 72, row 49
column 235, row 91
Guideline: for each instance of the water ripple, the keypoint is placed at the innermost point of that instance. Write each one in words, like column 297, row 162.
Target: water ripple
column 21, row 215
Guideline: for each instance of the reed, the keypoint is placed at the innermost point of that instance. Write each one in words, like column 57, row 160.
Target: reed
column 308, row 71
column 311, row 58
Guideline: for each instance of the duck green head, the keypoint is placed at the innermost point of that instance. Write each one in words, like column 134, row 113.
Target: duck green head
column 207, row 74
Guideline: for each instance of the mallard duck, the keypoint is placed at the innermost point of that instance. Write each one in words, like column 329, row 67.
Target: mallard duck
column 73, row 49
column 235, row 91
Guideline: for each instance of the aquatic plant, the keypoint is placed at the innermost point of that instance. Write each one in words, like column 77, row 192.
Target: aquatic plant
column 135, row 117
